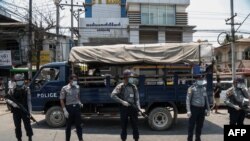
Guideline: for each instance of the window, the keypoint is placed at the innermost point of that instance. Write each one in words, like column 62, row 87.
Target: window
column 153, row 15
column 172, row 36
column 246, row 54
column 145, row 14
column 162, row 17
column 219, row 57
column 170, row 15
column 46, row 75
column 158, row 14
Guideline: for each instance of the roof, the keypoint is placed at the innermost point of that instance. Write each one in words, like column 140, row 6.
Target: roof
column 136, row 54
column 55, row 64
column 13, row 24
column 244, row 40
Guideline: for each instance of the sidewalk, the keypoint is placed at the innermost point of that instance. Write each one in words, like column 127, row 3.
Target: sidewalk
column 2, row 102
column 3, row 108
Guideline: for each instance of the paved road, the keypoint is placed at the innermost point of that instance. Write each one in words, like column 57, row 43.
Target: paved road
column 109, row 129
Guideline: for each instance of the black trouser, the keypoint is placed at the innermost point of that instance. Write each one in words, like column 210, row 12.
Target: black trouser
column 236, row 116
column 74, row 118
column 130, row 112
column 196, row 120
column 19, row 115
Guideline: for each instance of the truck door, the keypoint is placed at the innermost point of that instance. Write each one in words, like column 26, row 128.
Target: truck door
column 46, row 87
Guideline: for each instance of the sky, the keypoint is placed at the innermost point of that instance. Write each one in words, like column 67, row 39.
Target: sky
column 211, row 15
column 204, row 14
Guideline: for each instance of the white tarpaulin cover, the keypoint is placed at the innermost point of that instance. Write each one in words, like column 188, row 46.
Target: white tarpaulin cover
column 134, row 54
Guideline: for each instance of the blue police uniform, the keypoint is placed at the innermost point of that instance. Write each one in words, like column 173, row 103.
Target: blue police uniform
column 196, row 104
column 235, row 97
column 21, row 96
column 127, row 92
column 71, row 95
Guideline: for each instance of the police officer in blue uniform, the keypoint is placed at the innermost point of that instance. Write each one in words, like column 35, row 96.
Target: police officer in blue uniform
column 237, row 100
column 197, row 107
column 20, row 95
column 126, row 93
column 72, row 107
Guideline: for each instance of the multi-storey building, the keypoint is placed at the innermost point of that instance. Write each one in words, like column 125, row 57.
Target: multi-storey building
column 135, row 21
column 158, row 21
column 105, row 22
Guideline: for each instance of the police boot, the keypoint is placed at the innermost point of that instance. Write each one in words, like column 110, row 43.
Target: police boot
column 30, row 138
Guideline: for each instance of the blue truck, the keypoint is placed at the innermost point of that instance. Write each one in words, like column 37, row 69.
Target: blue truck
column 162, row 84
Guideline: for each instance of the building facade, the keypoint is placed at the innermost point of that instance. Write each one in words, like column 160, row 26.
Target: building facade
column 242, row 59
column 158, row 21
column 14, row 38
column 105, row 22
column 135, row 21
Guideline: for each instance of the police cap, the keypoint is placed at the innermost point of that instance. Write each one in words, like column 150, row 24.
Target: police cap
column 127, row 73
column 18, row 77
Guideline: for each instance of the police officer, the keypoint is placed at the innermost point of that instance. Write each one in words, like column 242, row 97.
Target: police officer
column 72, row 107
column 22, row 96
column 237, row 100
column 197, row 107
column 126, row 93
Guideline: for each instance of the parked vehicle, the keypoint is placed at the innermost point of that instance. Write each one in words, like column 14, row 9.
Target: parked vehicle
column 164, row 72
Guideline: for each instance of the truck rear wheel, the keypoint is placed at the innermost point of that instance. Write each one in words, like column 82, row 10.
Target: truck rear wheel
column 160, row 119
column 55, row 117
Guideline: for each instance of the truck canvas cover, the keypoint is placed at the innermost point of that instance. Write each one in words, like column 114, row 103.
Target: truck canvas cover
column 135, row 54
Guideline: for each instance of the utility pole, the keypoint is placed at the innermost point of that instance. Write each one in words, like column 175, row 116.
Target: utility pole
column 72, row 24
column 57, row 3
column 29, row 62
column 233, row 40
column 78, row 26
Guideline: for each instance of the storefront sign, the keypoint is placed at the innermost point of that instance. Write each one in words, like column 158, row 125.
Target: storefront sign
column 113, row 1
column 110, row 24
column 5, row 58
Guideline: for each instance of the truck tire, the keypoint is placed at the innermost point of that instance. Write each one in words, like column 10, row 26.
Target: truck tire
column 160, row 119
column 55, row 117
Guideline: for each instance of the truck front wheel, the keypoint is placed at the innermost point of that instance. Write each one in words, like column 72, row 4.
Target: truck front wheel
column 160, row 119
column 55, row 117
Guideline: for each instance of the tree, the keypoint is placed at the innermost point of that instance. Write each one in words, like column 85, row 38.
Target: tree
column 41, row 31
column 43, row 21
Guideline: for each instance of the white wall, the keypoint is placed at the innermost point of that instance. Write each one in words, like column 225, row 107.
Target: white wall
column 161, row 37
column 187, row 37
column 180, row 8
column 134, row 7
column 134, row 34
column 106, row 10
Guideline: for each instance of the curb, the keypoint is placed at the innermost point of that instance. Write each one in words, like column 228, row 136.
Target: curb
column 2, row 102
